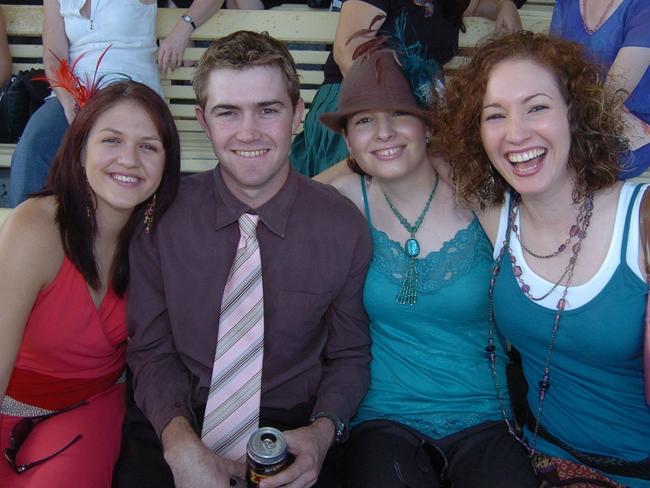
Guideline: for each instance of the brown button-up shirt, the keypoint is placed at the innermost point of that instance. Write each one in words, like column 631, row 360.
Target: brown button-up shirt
column 315, row 249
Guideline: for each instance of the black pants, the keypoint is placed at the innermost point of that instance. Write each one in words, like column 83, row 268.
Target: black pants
column 387, row 454
column 142, row 465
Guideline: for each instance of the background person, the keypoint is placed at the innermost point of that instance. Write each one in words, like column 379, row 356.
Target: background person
column 64, row 256
column 72, row 28
column 616, row 35
column 535, row 140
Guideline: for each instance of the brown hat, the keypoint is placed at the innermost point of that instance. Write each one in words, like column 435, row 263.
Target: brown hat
column 375, row 82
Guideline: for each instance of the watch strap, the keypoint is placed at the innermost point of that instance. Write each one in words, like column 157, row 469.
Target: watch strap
column 189, row 20
column 340, row 429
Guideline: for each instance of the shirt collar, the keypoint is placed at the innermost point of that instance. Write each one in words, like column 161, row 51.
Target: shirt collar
column 274, row 213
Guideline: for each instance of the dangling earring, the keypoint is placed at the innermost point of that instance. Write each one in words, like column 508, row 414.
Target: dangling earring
column 149, row 212
column 427, row 140
column 89, row 193
column 487, row 190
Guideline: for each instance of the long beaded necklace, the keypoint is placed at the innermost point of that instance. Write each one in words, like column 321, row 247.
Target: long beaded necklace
column 586, row 211
column 601, row 20
column 408, row 291
column 578, row 229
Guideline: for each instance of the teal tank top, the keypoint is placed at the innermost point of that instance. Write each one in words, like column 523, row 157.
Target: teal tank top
column 596, row 400
column 429, row 368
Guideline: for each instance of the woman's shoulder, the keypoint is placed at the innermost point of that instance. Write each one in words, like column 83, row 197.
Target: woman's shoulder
column 350, row 187
column 30, row 235
column 34, row 215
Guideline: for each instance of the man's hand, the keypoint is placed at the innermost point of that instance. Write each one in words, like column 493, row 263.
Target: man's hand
column 192, row 463
column 309, row 445
column 172, row 48
column 508, row 19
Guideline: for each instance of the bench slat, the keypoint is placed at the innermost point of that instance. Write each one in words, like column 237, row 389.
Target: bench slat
column 302, row 27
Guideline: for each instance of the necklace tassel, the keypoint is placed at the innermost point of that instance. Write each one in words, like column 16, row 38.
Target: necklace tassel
column 408, row 294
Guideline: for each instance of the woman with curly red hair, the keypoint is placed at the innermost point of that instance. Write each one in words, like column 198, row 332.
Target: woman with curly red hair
column 535, row 141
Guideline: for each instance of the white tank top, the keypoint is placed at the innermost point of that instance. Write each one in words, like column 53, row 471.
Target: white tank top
column 581, row 294
column 128, row 26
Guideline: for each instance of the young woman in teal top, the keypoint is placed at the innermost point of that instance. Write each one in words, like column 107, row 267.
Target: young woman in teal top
column 535, row 140
column 431, row 413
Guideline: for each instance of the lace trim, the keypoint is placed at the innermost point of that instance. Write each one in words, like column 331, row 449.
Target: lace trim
column 439, row 268
column 437, row 426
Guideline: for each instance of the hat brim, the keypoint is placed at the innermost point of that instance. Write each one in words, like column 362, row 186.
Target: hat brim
column 335, row 121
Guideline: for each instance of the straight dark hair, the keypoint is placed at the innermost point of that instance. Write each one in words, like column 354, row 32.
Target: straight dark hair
column 75, row 215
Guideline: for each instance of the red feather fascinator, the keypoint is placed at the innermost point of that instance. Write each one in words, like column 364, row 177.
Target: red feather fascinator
column 81, row 90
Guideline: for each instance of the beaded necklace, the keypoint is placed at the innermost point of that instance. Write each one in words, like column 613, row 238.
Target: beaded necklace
column 601, row 20
column 583, row 220
column 408, row 291
column 573, row 232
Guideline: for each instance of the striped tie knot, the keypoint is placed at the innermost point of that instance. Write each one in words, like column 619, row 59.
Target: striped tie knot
column 248, row 225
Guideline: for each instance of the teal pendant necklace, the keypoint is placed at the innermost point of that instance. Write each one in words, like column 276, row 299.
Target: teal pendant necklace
column 408, row 292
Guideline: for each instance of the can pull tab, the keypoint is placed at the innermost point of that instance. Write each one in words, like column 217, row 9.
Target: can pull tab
column 269, row 440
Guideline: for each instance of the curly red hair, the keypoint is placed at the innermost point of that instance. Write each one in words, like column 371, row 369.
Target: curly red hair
column 597, row 144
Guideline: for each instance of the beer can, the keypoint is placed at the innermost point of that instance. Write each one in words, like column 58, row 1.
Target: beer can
column 266, row 453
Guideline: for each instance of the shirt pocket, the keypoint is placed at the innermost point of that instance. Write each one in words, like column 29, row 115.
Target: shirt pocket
column 299, row 315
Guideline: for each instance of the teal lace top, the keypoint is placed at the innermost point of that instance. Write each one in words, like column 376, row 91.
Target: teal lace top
column 429, row 368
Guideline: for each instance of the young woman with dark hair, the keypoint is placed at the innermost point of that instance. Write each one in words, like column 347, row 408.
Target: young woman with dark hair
column 64, row 263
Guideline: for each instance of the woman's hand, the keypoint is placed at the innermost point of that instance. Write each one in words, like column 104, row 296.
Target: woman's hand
column 503, row 12
column 68, row 109
column 508, row 19
column 172, row 47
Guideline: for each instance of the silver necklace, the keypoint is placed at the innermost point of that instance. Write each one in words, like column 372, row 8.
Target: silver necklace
column 93, row 10
column 601, row 20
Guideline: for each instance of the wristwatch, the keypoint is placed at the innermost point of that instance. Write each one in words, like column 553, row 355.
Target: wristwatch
column 340, row 429
column 189, row 20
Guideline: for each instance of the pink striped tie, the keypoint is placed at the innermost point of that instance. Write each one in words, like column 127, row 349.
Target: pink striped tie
column 232, row 411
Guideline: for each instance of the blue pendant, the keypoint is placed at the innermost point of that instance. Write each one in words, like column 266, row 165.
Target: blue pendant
column 412, row 247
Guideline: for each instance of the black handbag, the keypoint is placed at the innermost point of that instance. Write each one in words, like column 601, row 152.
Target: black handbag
column 20, row 97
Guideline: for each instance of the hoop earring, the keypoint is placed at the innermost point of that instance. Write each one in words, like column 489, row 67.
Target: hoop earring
column 149, row 213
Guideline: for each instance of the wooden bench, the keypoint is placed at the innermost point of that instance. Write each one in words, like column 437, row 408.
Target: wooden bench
column 310, row 33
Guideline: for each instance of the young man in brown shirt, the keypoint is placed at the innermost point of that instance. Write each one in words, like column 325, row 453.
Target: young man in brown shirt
column 315, row 250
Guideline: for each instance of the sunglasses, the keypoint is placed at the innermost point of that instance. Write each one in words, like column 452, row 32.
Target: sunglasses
column 21, row 431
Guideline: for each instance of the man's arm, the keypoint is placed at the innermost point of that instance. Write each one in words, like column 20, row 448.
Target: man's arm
column 345, row 377
column 160, row 379
column 346, row 356
column 192, row 463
